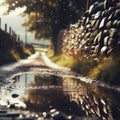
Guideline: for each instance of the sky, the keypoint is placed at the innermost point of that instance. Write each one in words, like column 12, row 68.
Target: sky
column 14, row 20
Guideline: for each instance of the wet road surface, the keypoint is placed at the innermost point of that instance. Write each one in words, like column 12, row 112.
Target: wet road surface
column 32, row 90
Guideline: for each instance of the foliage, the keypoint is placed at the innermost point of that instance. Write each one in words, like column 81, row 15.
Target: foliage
column 12, row 50
column 48, row 17
column 106, row 70
column 110, row 73
column 82, row 67
column 78, row 65
column 6, row 56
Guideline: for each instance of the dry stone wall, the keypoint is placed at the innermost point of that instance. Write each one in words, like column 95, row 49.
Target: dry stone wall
column 97, row 33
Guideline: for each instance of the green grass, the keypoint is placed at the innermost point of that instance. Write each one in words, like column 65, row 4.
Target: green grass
column 110, row 73
column 106, row 70
column 8, row 55
column 40, row 49
column 75, row 64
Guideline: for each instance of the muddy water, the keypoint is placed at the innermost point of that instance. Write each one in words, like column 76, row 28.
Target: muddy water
column 42, row 92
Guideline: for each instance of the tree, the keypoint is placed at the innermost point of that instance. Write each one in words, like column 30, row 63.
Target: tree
column 48, row 17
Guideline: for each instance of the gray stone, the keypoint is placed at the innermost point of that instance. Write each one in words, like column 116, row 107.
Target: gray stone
column 106, row 39
column 105, row 13
column 87, row 35
column 103, row 22
column 89, row 29
column 109, row 24
column 96, row 49
column 96, row 32
column 113, row 33
column 87, row 20
column 103, row 50
column 105, row 32
column 93, row 22
column 111, row 9
column 96, row 7
column 118, row 5
column 117, row 14
column 97, row 15
column 100, row 39
column 92, row 48
column 109, row 52
column 99, row 32
column 96, row 40
column 88, row 26
column 91, row 8
column 111, row 16
column 109, row 42
column 118, row 24
column 108, row 3
column 115, row 23
column 97, row 24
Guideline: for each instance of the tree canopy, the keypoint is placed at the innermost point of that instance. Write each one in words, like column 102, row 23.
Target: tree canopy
column 48, row 17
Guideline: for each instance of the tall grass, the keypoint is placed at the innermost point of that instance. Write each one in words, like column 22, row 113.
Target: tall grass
column 79, row 65
column 106, row 69
column 110, row 73
column 8, row 55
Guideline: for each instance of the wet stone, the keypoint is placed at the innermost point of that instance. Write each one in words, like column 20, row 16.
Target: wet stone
column 111, row 16
column 108, row 24
column 117, row 14
column 103, row 22
column 97, row 15
column 113, row 33
column 15, row 95
column 108, row 3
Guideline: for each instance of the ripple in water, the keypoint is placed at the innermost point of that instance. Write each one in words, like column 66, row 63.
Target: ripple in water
column 42, row 92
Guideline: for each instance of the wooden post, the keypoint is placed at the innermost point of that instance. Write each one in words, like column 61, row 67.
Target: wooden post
column 5, row 27
column 10, row 31
column 18, row 38
column 14, row 35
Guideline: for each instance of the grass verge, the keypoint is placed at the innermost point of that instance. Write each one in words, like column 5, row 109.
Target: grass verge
column 8, row 55
column 106, row 70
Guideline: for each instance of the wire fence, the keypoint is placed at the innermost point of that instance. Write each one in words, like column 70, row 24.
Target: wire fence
column 10, row 31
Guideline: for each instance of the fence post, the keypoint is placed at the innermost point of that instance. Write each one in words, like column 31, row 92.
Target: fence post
column 5, row 27
column 10, row 31
column 18, row 38
column 15, row 36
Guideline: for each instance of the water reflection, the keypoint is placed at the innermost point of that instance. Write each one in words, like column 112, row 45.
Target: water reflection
column 43, row 92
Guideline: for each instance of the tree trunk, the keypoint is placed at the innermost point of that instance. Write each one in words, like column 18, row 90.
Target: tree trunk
column 55, row 33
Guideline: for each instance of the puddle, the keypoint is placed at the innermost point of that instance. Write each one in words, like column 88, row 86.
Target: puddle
column 42, row 92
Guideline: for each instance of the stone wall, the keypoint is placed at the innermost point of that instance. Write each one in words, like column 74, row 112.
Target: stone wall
column 97, row 33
